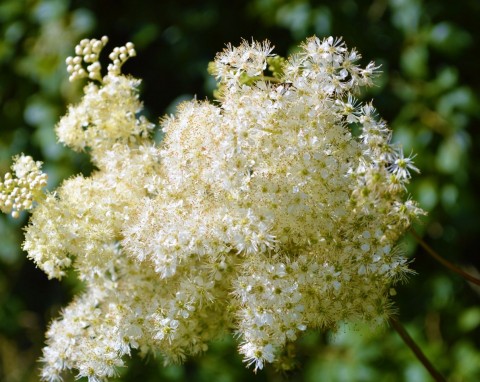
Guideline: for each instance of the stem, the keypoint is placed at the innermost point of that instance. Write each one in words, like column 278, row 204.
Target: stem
column 442, row 261
column 271, row 79
column 265, row 78
column 416, row 350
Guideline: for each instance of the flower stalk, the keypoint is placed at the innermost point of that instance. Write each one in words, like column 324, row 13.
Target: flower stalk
column 435, row 374
column 442, row 261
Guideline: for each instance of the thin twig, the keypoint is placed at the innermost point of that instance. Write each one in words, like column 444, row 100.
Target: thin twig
column 442, row 261
column 416, row 350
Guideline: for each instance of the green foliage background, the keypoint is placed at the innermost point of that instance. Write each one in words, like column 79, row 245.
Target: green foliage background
column 428, row 92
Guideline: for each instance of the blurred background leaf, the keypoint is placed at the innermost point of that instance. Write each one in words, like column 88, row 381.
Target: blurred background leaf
column 428, row 92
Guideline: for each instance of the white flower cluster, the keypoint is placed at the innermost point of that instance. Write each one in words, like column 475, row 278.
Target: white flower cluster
column 271, row 212
column 18, row 192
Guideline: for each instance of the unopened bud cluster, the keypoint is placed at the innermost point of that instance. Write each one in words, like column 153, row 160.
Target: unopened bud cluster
column 119, row 56
column 19, row 191
column 273, row 211
column 88, row 52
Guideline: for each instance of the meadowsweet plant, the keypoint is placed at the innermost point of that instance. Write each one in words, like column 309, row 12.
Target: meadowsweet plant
column 269, row 212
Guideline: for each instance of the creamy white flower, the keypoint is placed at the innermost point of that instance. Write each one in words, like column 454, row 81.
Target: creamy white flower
column 264, row 212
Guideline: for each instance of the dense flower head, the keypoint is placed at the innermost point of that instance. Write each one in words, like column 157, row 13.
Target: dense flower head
column 270, row 212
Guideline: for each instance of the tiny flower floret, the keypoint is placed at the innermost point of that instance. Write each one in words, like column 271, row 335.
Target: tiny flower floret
column 270, row 212
column 401, row 166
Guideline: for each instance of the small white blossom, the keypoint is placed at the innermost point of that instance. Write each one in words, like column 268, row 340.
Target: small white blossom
column 401, row 166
